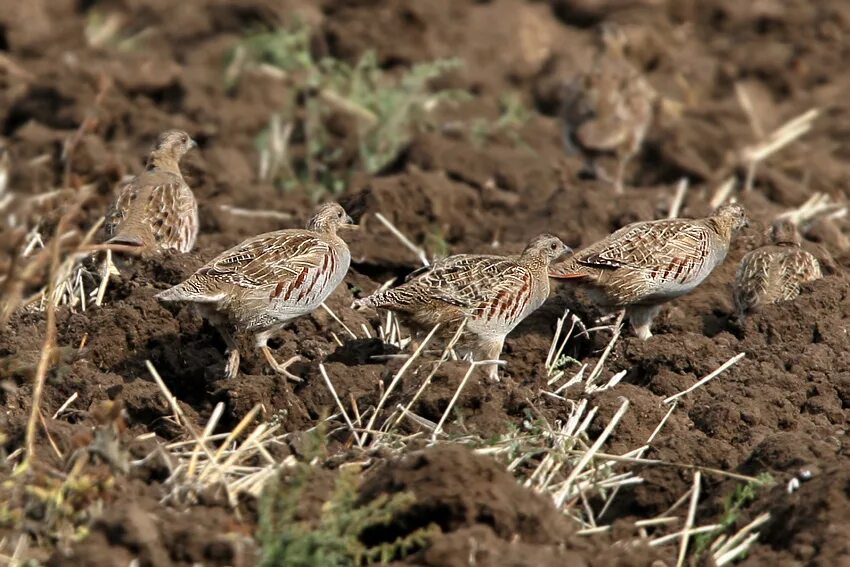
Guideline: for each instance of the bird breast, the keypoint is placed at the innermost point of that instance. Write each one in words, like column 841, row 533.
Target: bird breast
column 311, row 286
column 679, row 278
column 503, row 312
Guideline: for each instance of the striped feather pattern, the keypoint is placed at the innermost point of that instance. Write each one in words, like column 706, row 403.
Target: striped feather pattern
column 156, row 210
column 492, row 290
column 609, row 108
column 162, row 216
column 646, row 264
column 771, row 274
column 271, row 278
column 492, row 293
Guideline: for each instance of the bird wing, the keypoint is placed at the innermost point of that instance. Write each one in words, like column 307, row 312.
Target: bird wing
column 281, row 259
column 753, row 278
column 669, row 249
column 127, row 195
column 798, row 266
column 171, row 210
column 161, row 201
column 473, row 283
column 603, row 133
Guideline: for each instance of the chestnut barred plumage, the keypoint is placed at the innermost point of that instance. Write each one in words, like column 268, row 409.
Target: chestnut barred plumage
column 645, row 264
column 260, row 284
column 156, row 210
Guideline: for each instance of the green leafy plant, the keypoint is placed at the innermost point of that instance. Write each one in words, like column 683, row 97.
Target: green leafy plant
column 332, row 540
column 564, row 361
column 733, row 503
column 436, row 242
column 512, row 117
column 52, row 508
column 382, row 110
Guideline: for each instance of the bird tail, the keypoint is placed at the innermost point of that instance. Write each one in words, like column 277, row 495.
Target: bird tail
column 565, row 270
column 567, row 276
column 127, row 239
column 177, row 293
column 381, row 299
column 364, row 302
column 194, row 290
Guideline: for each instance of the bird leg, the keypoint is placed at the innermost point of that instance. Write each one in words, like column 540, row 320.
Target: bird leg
column 281, row 368
column 490, row 349
column 640, row 317
column 595, row 169
column 231, row 369
column 621, row 173
column 261, row 342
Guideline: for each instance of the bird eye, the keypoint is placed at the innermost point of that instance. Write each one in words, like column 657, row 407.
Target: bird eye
column 184, row 139
column 553, row 246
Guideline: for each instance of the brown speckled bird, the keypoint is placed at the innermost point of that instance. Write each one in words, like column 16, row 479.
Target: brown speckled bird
column 156, row 210
column 268, row 280
column 774, row 272
column 645, row 264
column 493, row 293
column 608, row 109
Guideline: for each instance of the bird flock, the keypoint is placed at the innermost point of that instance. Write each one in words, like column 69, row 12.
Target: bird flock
column 259, row 285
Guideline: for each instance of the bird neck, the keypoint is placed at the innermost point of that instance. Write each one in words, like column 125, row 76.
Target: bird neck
column 162, row 161
column 326, row 228
column 532, row 260
column 721, row 226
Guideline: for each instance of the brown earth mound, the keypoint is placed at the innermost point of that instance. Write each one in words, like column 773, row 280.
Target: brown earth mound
column 781, row 409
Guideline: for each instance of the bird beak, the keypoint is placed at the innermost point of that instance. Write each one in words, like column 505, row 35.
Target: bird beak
column 350, row 224
column 565, row 253
column 192, row 143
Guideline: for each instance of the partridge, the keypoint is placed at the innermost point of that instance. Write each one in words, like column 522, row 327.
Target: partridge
column 260, row 284
column 645, row 264
column 156, row 210
column 774, row 272
column 493, row 293
column 608, row 109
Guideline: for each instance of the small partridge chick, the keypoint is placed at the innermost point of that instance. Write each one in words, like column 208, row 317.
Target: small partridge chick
column 645, row 264
column 774, row 272
column 268, row 280
column 156, row 210
column 608, row 110
column 493, row 293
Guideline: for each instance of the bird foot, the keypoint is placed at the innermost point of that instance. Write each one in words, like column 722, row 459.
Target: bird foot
column 643, row 332
column 493, row 374
column 231, row 369
column 281, row 368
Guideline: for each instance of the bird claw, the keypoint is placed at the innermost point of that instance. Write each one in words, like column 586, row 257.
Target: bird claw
column 643, row 332
column 282, row 368
column 493, row 372
column 231, row 369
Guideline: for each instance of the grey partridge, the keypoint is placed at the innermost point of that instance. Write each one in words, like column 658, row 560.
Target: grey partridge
column 608, row 109
column 156, row 210
column 774, row 272
column 645, row 264
column 260, row 284
column 493, row 293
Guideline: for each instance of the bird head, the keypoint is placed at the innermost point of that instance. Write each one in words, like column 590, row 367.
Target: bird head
column 734, row 215
column 328, row 218
column 547, row 247
column 174, row 144
column 783, row 231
